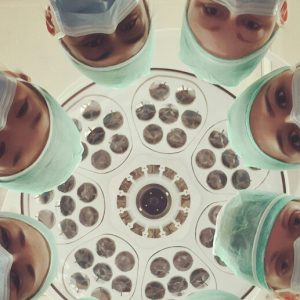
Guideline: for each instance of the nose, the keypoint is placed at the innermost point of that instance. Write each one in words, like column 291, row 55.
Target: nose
column 293, row 118
column 289, row 119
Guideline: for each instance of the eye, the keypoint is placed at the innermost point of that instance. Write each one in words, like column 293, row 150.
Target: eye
column 94, row 42
column 2, row 149
column 282, row 266
column 281, row 98
column 294, row 220
column 128, row 25
column 15, row 280
column 294, row 139
column 16, row 158
column 23, row 109
column 211, row 11
column 4, row 238
column 252, row 25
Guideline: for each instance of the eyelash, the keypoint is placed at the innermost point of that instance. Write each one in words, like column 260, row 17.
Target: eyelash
column 294, row 139
column 94, row 42
column 252, row 25
column 16, row 158
column 15, row 279
column 210, row 11
column 23, row 109
column 2, row 149
column 282, row 266
column 281, row 98
column 129, row 25
column 5, row 238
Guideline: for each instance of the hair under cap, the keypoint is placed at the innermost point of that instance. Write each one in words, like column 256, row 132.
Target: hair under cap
column 46, row 233
column 239, row 131
column 242, row 232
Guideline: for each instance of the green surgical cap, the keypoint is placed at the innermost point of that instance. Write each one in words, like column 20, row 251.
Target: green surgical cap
column 242, row 232
column 229, row 72
column 211, row 295
column 123, row 74
column 239, row 131
column 59, row 158
column 46, row 233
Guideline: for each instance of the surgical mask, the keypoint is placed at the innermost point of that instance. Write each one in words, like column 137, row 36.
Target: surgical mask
column 77, row 17
column 123, row 74
column 59, row 158
column 6, row 260
column 208, row 67
column 53, row 253
column 252, row 7
column 295, row 280
column 295, row 113
column 8, row 87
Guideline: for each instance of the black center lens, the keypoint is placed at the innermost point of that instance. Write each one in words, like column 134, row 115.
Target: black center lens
column 153, row 201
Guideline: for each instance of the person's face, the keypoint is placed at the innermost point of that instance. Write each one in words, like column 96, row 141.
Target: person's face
column 31, row 257
column 270, row 122
column 226, row 35
column 279, row 255
column 26, row 131
column 102, row 50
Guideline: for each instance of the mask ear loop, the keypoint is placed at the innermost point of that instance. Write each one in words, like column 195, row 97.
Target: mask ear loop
column 282, row 13
column 52, row 24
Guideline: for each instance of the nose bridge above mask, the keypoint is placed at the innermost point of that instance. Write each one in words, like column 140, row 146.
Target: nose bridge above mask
column 295, row 112
column 8, row 87
column 295, row 280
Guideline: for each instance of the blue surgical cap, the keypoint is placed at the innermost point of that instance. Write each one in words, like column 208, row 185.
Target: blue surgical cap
column 57, row 161
column 122, row 74
column 78, row 17
column 242, row 232
column 229, row 72
column 239, row 131
column 46, row 233
column 211, row 295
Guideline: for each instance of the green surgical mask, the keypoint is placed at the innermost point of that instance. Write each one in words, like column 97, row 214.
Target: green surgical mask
column 228, row 72
column 123, row 74
column 59, row 158
column 239, row 131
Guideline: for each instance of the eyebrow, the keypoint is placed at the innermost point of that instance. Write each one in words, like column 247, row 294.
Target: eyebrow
column 280, row 143
column 36, row 120
column 268, row 103
column 17, row 157
column 22, row 238
column 2, row 149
